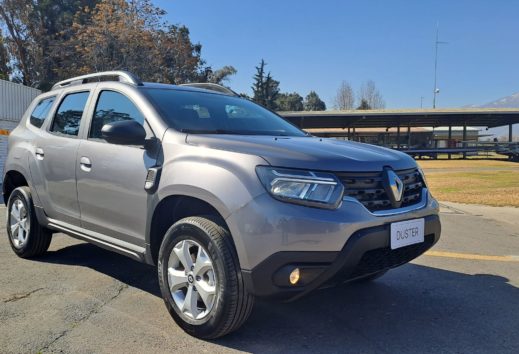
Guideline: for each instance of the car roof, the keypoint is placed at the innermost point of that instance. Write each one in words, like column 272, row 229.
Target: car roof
column 130, row 80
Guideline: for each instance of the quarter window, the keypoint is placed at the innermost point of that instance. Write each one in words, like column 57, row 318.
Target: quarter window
column 41, row 111
column 68, row 117
column 113, row 107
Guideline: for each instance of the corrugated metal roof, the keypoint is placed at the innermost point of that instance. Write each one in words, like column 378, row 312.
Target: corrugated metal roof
column 479, row 117
column 367, row 130
column 341, row 132
column 14, row 100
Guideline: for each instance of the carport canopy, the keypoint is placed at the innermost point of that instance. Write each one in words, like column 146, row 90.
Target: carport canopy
column 387, row 118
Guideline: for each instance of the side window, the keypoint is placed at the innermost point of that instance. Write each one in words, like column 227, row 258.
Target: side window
column 113, row 107
column 41, row 111
column 68, row 117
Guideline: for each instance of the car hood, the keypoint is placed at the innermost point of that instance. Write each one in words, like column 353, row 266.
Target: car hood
column 309, row 152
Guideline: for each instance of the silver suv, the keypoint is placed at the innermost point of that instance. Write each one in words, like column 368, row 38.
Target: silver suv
column 226, row 198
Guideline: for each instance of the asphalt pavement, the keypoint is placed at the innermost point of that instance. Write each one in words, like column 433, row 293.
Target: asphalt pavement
column 462, row 298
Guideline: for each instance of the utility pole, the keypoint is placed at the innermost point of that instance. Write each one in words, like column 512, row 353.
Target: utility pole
column 436, row 89
column 421, row 101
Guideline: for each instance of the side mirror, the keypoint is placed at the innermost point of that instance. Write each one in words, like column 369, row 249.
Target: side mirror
column 125, row 132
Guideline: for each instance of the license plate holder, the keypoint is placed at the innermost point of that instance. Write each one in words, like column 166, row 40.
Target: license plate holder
column 405, row 233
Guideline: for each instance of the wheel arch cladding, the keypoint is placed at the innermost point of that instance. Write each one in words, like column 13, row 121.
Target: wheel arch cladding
column 12, row 180
column 172, row 209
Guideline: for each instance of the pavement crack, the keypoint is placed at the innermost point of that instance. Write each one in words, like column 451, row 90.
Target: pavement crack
column 93, row 311
column 17, row 297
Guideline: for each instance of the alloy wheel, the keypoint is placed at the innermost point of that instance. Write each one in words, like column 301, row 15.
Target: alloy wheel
column 19, row 223
column 192, row 280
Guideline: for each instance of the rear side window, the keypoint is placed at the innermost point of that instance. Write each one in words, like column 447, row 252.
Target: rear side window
column 113, row 107
column 68, row 117
column 41, row 112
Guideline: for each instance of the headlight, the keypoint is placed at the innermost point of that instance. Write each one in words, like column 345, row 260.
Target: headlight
column 317, row 189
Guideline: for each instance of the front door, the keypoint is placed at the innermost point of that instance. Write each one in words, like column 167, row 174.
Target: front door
column 110, row 177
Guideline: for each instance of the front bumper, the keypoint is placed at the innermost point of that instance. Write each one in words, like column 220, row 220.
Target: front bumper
column 367, row 251
column 266, row 226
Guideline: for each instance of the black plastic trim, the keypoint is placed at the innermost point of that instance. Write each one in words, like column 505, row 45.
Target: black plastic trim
column 261, row 281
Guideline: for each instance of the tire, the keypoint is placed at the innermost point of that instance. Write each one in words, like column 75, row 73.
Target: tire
column 27, row 237
column 370, row 277
column 230, row 304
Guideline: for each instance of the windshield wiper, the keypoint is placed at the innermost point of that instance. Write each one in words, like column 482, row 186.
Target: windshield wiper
column 236, row 132
column 219, row 131
column 233, row 132
column 197, row 131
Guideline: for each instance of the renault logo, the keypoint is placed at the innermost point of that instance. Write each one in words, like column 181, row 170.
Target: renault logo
column 394, row 187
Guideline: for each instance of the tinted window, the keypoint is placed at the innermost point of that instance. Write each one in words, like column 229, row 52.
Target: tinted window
column 68, row 117
column 208, row 113
column 113, row 107
column 41, row 111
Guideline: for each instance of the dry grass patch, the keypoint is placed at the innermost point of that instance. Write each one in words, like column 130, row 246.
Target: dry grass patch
column 467, row 164
column 494, row 187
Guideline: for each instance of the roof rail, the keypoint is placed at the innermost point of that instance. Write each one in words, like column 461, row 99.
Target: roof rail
column 212, row 87
column 122, row 76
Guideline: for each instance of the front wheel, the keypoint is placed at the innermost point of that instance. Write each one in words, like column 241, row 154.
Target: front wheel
column 26, row 236
column 200, row 279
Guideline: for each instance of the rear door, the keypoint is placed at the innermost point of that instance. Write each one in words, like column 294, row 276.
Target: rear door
column 53, row 165
column 110, row 177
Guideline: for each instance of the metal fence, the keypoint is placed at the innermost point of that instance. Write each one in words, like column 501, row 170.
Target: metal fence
column 14, row 100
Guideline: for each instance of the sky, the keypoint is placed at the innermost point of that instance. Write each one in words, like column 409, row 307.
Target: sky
column 315, row 45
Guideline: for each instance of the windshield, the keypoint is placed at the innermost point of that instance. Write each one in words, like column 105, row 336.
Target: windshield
column 208, row 113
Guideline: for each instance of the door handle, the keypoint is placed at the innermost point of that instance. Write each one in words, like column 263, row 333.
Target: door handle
column 85, row 164
column 39, row 153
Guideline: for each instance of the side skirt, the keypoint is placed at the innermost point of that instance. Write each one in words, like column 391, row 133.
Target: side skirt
column 109, row 243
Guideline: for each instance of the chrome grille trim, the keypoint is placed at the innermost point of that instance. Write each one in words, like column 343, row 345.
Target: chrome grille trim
column 368, row 189
column 422, row 204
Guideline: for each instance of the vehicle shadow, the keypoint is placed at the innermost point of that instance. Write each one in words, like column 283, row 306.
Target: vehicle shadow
column 413, row 308
column 126, row 270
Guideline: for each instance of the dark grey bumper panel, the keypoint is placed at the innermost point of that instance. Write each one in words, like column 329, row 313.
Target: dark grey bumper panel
column 366, row 252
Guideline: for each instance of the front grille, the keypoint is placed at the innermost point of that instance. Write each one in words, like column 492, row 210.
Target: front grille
column 368, row 188
column 384, row 258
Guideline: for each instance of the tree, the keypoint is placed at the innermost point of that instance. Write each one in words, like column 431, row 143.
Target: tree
column 34, row 33
column 271, row 91
column 4, row 59
column 178, row 60
column 313, row 102
column 265, row 89
column 259, row 83
column 17, row 16
column 49, row 40
column 289, row 102
column 219, row 76
column 117, row 35
column 364, row 105
column 345, row 98
column 371, row 95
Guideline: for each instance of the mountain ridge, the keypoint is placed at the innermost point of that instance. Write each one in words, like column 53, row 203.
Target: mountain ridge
column 511, row 101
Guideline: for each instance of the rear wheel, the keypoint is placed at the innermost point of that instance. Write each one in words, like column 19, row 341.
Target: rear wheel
column 200, row 279
column 26, row 236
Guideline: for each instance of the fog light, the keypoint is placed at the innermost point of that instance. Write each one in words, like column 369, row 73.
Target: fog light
column 294, row 276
